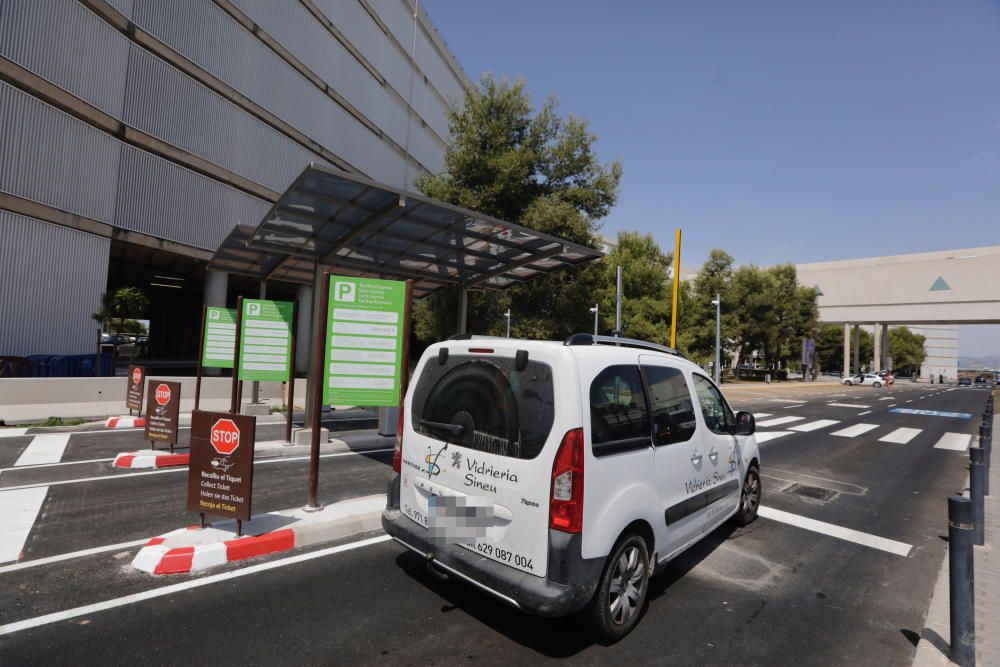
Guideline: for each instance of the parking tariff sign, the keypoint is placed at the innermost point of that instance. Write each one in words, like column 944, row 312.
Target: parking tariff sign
column 266, row 340
column 365, row 332
column 220, row 337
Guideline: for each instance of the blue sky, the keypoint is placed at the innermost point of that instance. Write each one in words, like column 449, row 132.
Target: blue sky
column 779, row 131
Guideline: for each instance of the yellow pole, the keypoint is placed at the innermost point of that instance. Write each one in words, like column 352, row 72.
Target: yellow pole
column 677, row 280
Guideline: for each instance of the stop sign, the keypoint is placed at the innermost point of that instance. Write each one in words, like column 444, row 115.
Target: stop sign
column 224, row 436
column 136, row 376
column 162, row 394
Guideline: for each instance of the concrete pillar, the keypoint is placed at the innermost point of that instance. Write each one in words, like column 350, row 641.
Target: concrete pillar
column 303, row 335
column 463, row 309
column 877, row 348
column 847, row 350
column 857, row 349
column 886, row 359
column 215, row 294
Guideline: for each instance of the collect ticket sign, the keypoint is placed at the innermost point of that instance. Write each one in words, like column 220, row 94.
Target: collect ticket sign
column 220, row 337
column 133, row 392
column 266, row 340
column 163, row 412
column 365, row 332
column 220, row 475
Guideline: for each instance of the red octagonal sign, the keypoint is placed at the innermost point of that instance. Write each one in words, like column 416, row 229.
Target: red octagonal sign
column 224, row 436
column 136, row 376
column 162, row 394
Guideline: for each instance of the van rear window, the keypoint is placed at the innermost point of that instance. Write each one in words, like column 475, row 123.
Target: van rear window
column 501, row 410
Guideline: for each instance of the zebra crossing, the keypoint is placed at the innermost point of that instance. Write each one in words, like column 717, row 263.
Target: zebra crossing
column 900, row 436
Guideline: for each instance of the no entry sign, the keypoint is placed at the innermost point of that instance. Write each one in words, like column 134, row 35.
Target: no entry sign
column 133, row 392
column 220, row 476
column 164, row 411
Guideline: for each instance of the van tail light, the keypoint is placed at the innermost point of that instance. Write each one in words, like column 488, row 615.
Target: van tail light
column 397, row 450
column 566, row 502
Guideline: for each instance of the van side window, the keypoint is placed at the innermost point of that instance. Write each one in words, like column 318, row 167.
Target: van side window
column 671, row 404
column 718, row 417
column 619, row 420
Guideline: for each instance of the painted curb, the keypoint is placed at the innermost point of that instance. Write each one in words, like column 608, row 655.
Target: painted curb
column 156, row 558
column 150, row 459
column 125, row 422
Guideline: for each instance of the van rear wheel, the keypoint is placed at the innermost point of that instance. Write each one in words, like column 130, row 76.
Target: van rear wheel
column 621, row 593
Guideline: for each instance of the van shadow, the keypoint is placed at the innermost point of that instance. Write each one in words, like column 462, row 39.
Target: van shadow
column 551, row 637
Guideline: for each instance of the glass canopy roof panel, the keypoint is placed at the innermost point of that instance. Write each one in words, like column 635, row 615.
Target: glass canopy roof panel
column 350, row 223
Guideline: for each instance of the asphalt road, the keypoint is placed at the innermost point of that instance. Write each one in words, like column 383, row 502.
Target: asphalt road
column 772, row 593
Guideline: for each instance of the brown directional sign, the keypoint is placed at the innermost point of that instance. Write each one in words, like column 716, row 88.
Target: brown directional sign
column 133, row 394
column 163, row 411
column 220, row 476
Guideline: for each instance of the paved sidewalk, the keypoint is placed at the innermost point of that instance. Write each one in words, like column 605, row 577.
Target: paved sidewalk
column 933, row 647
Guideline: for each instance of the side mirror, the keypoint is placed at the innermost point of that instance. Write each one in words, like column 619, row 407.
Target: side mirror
column 745, row 424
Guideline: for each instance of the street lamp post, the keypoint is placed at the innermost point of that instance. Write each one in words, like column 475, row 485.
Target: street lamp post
column 718, row 351
column 507, row 315
column 594, row 310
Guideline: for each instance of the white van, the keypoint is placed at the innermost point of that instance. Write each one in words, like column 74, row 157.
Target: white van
column 558, row 476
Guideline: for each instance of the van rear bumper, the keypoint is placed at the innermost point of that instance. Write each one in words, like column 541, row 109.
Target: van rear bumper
column 535, row 595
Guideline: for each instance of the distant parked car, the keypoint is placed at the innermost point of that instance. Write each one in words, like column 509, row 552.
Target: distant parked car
column 870, row 379
column 981, row 380
column 964, row 382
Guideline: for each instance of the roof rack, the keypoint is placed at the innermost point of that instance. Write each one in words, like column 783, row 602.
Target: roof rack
column 591, row 339
column 466, row 336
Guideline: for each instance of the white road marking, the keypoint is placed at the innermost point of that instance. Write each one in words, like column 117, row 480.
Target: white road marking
column 847, row 405
column 779, row 420
column 866, row 412
column 85, row 610
column 958, row 442
column 833, row 530
column 165, row 471
column 854, row 431
column 892, row 405
column 910, row 401
column 886, row 398
column 12, row 432
column 769, row 435
column 787, row 400
column 20, row 508
column 901, row 435
column 70, row 556
column 812, row 426
column 61, row 463
column 761, row 415
column 44, row 449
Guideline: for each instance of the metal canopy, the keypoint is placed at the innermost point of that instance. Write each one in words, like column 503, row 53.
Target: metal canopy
column 355, row 226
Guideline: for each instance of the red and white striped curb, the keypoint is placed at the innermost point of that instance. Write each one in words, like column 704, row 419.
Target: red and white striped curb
column 125, row 422
column 179, row 551
column 156, row 558
column 150, row 459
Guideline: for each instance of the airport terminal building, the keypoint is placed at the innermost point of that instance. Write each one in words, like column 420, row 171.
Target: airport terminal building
column 137, row 133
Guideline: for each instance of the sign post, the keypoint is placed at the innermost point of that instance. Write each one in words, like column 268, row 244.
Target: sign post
column 220, row 475
column 361, row 350
column 218, row 341
column 163, row 413
column 290, row 408
column 133, row 392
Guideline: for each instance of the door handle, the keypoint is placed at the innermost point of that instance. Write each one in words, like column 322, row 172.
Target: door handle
column 696, row 457
column 714, row 454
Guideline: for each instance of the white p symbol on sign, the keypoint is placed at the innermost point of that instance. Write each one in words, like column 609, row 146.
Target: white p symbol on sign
column 343, row 292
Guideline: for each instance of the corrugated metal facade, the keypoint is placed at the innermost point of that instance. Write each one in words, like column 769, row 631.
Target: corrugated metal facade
column 71, row 162
column 51, row 280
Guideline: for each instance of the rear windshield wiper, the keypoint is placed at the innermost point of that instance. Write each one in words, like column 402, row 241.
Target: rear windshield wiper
column 454, row 430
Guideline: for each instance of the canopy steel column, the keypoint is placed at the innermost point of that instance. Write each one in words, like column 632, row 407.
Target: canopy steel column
column 255, row 385
column 463, row 309
column 315, row 320
column 847, row 350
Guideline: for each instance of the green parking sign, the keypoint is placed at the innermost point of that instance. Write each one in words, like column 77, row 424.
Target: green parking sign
column 365, row 331
column 219, row 346
column 265, row 340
